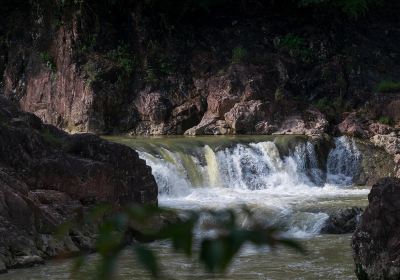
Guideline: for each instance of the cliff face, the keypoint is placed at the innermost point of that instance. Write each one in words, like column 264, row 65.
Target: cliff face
column 48, row 177
column 246, row 68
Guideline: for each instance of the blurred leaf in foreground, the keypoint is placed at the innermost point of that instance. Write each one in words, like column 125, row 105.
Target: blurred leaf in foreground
column 217, row 236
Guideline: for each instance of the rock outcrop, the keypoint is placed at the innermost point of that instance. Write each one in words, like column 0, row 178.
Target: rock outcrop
column 376, row 241
column 48, row 177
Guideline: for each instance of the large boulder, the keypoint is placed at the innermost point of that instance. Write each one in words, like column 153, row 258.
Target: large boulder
column 376, row 242
column 48, row 177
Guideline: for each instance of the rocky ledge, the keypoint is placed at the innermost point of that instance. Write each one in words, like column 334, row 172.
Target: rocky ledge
column 376, row 242
column 48, row 177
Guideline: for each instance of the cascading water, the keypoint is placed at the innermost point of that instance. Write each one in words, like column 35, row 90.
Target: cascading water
column 343, row 162
column 280, row 180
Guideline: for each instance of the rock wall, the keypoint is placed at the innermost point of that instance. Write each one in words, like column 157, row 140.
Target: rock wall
column 376, row 241
column 48, row 177
column 146, row 70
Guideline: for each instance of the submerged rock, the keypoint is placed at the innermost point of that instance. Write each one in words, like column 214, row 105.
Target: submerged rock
column 48, row 177
column 376, row 242
column 342, row 221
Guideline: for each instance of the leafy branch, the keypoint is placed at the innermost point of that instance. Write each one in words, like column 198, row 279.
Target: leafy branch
column 221, row 239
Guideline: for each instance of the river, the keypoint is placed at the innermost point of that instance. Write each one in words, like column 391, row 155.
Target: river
column 286, row 180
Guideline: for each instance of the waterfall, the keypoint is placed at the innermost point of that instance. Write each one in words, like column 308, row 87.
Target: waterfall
column 251, row 166
column 282, row 178
column 344, row 162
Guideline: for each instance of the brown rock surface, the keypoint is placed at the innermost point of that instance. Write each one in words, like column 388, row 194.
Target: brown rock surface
column 48, row 177
column 243, row 117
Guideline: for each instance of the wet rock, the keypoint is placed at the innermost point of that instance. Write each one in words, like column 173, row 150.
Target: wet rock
column 376, row 241
column 342, row 221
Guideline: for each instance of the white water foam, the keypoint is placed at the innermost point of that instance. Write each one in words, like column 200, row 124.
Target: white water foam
column 256, row 174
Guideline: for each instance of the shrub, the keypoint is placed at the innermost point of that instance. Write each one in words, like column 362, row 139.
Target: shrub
column 239, row 55
column 388, row 86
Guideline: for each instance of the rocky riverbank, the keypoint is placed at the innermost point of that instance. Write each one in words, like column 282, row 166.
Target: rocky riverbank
column 48, row 177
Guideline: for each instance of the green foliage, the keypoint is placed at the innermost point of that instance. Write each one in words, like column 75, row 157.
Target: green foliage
column 123, row 57
column 385, row 120
column 388, row 86
column 239, row 55
column 48, row 60
column 216, row 251
column 296, row 46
